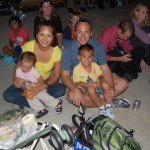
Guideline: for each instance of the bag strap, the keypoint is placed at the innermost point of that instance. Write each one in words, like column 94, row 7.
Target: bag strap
column 81, row 119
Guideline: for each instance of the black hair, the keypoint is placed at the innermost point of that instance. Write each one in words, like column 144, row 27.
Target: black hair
column 84, row 21
column 15, row 18
column 54, row 42
column 86, row 47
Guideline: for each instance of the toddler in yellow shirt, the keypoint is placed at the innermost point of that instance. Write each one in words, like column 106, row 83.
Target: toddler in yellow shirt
column 88, row 76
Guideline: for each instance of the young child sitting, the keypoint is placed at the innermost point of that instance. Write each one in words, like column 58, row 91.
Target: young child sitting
column 31, row 78
column 69, row 31
column 17, row 37
column 88, row 76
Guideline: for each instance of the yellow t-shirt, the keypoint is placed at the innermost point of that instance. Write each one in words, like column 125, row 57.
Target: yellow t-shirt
column 79, row 74
column 44, row 69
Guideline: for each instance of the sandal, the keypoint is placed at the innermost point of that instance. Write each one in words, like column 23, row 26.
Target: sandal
column 41, row 113
column 59, row 107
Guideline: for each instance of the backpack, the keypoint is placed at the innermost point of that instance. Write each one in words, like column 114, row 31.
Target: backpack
column 103, row 133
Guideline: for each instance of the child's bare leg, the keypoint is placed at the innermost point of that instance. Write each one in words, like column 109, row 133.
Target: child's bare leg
column 105, row 87
column 8, row 51
column 94, row 97
column 109, row 108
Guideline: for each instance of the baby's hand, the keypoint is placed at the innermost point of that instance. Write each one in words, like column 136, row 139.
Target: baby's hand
column 21, row 81
column 32, row 85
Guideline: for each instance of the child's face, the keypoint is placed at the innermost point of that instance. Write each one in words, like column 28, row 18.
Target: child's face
column 86, row 58
column 75, row 19
column 14, row 25
column 142, row 14
column 26, row 65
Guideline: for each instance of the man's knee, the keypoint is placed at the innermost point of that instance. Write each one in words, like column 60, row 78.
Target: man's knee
column 121, row 82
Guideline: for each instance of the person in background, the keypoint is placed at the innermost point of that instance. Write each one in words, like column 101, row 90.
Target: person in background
column 122, row 58
column 48, row 14
column 90, row 4
column 140, row 18
column 69, row 31
column 101, row 4
column 31, row 78
column 117, row 85
column 70, row 4
column 17, row 37
column 87, row 75
column 13, row 5
column 48, row 56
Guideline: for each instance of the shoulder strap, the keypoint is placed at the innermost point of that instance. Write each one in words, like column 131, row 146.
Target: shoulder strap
column 81, row 119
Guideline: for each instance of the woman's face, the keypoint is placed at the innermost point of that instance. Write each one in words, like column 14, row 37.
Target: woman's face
column 45, row 36
column 142, row 14
column 47, row 9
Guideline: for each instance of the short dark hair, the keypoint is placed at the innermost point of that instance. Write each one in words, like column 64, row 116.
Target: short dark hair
column 74, row 13
column 15, row 18
column 83, row 21
column 86, row 47
column 54, row 42
column 30, row 56
column 126, row 25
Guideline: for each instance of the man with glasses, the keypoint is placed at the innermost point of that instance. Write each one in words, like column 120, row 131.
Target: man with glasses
column 83, row 31
column 121, row 57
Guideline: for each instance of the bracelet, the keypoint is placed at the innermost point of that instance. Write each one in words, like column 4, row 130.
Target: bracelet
column 46, row 82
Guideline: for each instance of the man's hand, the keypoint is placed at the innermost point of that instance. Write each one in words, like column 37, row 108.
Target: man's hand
column 77, row 97
column 126, row 58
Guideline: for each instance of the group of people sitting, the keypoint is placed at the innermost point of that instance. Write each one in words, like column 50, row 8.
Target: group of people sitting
column 85, row 65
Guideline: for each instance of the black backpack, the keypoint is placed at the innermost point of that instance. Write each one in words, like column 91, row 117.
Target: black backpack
column 103, row 133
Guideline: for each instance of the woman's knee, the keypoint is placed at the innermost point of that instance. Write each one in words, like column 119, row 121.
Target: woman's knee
column 7, row 96
column 62, row 91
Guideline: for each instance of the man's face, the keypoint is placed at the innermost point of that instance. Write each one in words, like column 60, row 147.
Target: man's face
column 124, row 36
column 83, row 33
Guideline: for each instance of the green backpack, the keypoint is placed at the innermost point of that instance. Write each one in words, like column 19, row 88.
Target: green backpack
column 103, row 133
column 109, row 135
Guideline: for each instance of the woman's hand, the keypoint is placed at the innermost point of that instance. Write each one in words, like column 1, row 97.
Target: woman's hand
column 36, row 90
column 32, row 85
column 18, row 82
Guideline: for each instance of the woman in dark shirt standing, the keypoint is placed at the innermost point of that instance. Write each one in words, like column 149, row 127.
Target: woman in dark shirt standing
column 47, row 14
